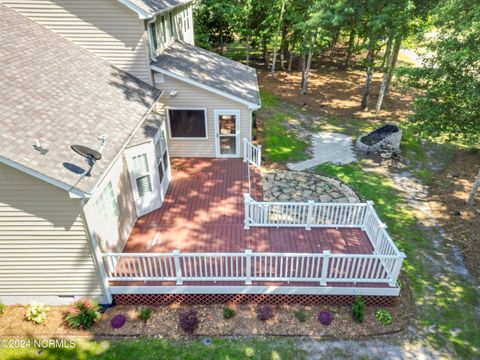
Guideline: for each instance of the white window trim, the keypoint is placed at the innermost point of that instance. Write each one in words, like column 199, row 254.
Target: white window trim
column 238, row 131
column 113, row 212
column 186, row 138
column 153, row 52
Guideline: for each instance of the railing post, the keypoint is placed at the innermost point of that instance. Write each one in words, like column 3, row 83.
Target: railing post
column 259, row 154
column 326, row 260
column 247, row 201
column 245, row 158
column 396, row 269
column 368, row 211
column 309, row 214
column 178, row 269
column 248, row 267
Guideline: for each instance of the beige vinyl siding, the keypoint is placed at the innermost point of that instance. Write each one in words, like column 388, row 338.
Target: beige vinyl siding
column 190, row 96
column 105, row 27
column 44, row 248
column 179, row 30
column 113, row 239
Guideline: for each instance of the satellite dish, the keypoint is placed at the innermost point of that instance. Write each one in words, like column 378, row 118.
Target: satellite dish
column 91, row 156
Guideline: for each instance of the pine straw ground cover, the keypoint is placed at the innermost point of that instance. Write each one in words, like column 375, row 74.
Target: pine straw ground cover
column 164, row 322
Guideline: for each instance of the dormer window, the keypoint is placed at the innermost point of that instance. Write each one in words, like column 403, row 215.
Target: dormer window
column 153, row 36
column 172, row 32
column 164, row 30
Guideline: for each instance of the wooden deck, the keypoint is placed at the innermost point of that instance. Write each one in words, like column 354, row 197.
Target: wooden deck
column 204, row 212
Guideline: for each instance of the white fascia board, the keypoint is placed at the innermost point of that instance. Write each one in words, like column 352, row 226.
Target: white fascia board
column 205, row 87
column 73, row 192
column 249, row 289
column 142, row 14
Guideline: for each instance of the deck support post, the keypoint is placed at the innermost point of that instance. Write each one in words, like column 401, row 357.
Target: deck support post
column 396, row 269
column 247, row 199
column 309, row 214
column 178, row 269
column 259, row 160
column 326, row 259
column 248, row 267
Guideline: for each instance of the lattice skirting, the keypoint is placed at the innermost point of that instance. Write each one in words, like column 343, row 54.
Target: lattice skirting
column 209, row 299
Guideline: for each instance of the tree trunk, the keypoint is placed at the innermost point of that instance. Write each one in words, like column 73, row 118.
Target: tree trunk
column 473, row 192
column 309, row 64
column 247, row 49
column 333, row 45
column 290, row 60
column 221, row 42
column 277, row 34
column 284, row 45
column 351, row 41
column 387, row 59
column 396, row 51
column 304, row 59
column 368, row 79
column 264, row 51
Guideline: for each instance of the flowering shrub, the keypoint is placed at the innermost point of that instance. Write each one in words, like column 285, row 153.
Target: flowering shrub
column 188, row 320
column 325, row 317
column 37, row 312
column 118, row 321
column 265, row 312
column 384, row 317
column 82, row 314
column 358, row 309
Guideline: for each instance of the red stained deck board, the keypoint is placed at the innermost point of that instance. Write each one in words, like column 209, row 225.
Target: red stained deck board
column 204, row 211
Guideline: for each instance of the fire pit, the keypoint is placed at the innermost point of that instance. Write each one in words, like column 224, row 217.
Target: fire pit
column 374, row 141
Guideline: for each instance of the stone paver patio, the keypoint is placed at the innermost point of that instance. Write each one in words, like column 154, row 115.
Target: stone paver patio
column 284, row 185
column 327, row 147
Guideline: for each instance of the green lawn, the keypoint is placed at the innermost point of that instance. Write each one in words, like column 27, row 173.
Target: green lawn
column 163, row 349
column 445, row 301
column 279, row 144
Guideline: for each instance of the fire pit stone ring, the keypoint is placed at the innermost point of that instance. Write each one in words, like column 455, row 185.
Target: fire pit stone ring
column 385, row 135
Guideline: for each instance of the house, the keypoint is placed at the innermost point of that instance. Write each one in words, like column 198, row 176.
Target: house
column 169, row 202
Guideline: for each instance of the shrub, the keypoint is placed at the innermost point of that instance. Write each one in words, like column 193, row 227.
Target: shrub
column 301, row 315
column 118, row 321
column 265, row 312
column 384, row 317
column 144, row 314
column 83, row 313
column 188, row 320
column 2, row 308
column 358, row 309
column 325, row 317
column 228, row 312
column 37, row 312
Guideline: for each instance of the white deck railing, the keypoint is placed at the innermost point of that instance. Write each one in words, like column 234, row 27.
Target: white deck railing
column 252, row 153
column 249, row 266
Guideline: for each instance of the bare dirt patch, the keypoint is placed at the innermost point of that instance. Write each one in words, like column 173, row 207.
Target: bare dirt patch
column 338, row 92
column 449, row 193
column 164, row 322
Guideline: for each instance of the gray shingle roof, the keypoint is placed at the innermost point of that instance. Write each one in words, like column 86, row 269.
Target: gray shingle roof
column 153, row 7
column 148, row 129
column 54, row 92
column 207, row 68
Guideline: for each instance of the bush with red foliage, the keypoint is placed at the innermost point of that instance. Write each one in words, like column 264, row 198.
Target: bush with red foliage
column 265, row 312
column 188, row 320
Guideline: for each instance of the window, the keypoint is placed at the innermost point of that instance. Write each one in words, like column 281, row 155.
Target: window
column 153, row 36
column 106, row 205
column 142, row 174
column 191, row 123
column 164, row 30
column 161, row 155
column 185, row 19
column 172, row 25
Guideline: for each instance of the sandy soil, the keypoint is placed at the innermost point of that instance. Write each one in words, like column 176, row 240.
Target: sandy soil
column 449, row 192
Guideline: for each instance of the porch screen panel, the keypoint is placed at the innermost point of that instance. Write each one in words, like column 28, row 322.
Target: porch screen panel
column 142, row 175
column 187, row 123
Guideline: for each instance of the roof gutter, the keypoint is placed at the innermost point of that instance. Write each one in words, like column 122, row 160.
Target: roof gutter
column 145, row 15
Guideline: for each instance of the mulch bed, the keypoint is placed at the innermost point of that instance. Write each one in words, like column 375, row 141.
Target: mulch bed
column 449, row 193
column 164, row 322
